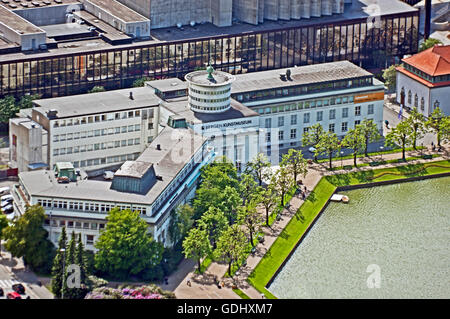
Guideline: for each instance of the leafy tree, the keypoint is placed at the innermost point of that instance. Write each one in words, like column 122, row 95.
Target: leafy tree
column 214, row 222
column 26, row 101
column 445, row 129
column 370, row 132
column 283, row 182
column 259, row 168
column 124, row 247
column 182, row 219
column 268, row 199
column 295, row 162
column 354, row 140
column 312, row 137
column 249, row 188
column 436, row 124
column 328, row 145
column 58, row 264
column 140, row 82
column 230, row 201
column 28, row 239
column 196, row 245
column 429, row 43
column 416, row 121
column 3, row 225
column 250, row 217
column 231, row 246
column 400, row 135
column 8, row 108
column 390, row 77
column 97, row 89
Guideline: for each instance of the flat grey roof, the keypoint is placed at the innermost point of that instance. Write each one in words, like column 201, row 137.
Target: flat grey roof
column 177, row 148
column 104, row 102
column 354, row 11
column 118, row 10
column 56, row 30
column 16, row 22
column 167, row 85
column 181, row 108
column 307, row 74
column 201, row 78
column 109, row 31
column 135, row 169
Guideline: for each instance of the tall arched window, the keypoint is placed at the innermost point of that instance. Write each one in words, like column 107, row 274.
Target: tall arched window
column 416, row 100
column 436, row 104
column 409, row 97
column 422, row 104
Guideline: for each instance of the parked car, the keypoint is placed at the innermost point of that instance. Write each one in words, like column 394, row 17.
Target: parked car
column 6, row 203
column 6, row 197
column 13, row 295
column 2, row 293
column 4, row 190
column 108, row 175
column 19, row 288
column 312, row 149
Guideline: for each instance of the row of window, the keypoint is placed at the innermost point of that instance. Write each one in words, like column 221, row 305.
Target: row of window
column 423, row 75
column 88, row 206
column 210, row 92
column 293, row 132
column 319, row 116
column 106, row 160
column 307, row 105
column 96, row 146
column 209, row 108
column 436, row 103
column 304, row 89
column 148, row 113
column 208, row 100
column 100, row 132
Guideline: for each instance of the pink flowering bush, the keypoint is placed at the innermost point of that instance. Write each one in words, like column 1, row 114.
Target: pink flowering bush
column 143, row 292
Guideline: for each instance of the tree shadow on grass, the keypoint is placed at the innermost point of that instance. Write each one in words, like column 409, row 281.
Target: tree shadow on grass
column 364, row 176
column 299, row 216
column 312, row 197
column 418, row 169
column 339, row 180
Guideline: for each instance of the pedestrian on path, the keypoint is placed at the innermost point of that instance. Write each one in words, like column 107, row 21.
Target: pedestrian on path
column 188, row 283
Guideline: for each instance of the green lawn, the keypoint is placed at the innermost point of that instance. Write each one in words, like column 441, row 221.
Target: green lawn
column 241, row 294
column 306, row 214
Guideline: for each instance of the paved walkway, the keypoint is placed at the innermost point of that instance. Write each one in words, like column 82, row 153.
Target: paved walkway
column 204, row 286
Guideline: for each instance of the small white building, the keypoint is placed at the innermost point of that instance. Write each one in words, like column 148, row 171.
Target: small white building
column 423, row 80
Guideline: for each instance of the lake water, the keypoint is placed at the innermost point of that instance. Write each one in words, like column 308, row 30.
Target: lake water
column 402, row 229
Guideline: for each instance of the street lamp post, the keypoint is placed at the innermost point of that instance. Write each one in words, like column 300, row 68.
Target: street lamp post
column 342, row 153
column 381, row 150
column 64, row 271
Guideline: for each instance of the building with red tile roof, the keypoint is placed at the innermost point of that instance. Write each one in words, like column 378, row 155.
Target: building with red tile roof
column 423, row 80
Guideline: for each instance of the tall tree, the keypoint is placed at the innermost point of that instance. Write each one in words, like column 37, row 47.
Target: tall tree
column 249, row 217
column 312, row 137
column 80, row 260
column 370, row 132
column 196, row 245
column 58, row 264
column 231, row 246
column 355, row 141
column 328, row 145
column 8, row 108
column 295, row 162
column 283, row 182
column 69, row 293
column 27, row 238
column 214, row 223
column 400, row 135
column 268, row 199
column 259, row 168
column 125, row 248
column 248, row 188
column 435, row 124
column 3, row 225
column 182, row 219
column 416, row 121
column 390, row 77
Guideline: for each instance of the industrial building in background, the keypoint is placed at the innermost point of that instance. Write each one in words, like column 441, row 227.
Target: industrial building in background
column 65, row 47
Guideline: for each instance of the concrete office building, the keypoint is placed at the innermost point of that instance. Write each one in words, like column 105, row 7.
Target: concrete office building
column 93, row 131
column 164, row 176
column 423, row 80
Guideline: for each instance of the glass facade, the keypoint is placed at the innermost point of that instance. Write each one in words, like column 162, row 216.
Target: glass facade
column 114, row 68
